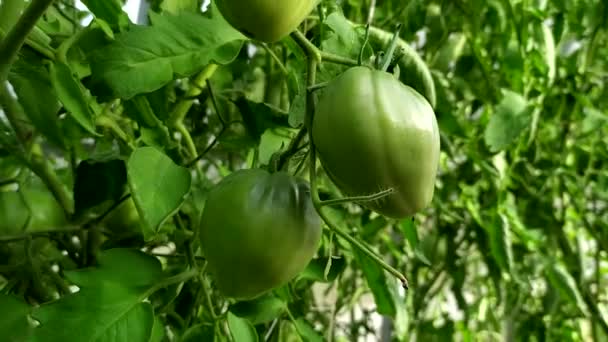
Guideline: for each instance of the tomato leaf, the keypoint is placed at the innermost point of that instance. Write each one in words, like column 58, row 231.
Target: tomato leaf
column 377, row 282
column 199, row 332
column 408, row 227
column 158, row 186
column 260, row 310
column 500, row 241
column 565, row 284
column 241, row 329
column 14, row 324
column 97, row 182
column 109, row 304
column 36, row 95
column 508, row 122
column 258, row 117
column 144, row 59
column 315, row 270
column 109, row 11
column 71, row 95
column 308, row 333
column 158, row 330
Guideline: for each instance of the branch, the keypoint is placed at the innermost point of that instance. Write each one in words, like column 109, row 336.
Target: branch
column 15, row 38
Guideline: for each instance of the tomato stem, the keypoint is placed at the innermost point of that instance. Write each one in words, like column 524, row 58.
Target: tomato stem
column 275, row 58
column 12, row 43
column 391, row 50
column 355, row 199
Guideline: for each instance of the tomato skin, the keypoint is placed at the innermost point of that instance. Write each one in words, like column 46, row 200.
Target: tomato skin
column 265, row 20
column 124, row 218
column 373, row 133
column 258, row 231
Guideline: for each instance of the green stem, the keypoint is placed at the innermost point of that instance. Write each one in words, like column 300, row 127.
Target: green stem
column 64, row 48
column 176, row 279
column 292, row 149
column 332, row 58
column 275, row 58
column 43, row 169
column 198, row 84
column 15, row 38
column 181, row 128
column 311, row 50
column 355, row 199
column 14, row 113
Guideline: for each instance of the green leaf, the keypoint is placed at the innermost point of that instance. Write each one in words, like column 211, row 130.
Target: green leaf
column 70, row 93
column 158, row 186
column 146, row 58
column 97, row 182
column 178, row 6
column 308, row 333
column 260, row 310
column 198, row 333
column 9, row 13
column 593, row 121
column 128, row 267
column 565, row 284
column 272, row 140
column 158, row 330
column 500, row 241
column 14, row 212
column 549, row 54
column 36, row 95
column 109, row 11
column 408, row 227
column 377, row 282
column 315, row 270
column 14, row 324
column 344, row 39
column 508, row 122
column 109, row 305
column 241, row 329
column 259, row 117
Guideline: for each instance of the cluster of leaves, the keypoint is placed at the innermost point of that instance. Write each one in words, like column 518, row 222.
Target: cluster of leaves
column 113, row 133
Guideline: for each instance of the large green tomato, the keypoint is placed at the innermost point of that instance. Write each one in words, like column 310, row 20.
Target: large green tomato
column 374, row 133
column 265, row 20
column 258, row 231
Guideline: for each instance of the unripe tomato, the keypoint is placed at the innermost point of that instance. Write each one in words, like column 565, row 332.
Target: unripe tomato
column 258, row 231
column 265, row 20
column 373, row 133
column 124, row 218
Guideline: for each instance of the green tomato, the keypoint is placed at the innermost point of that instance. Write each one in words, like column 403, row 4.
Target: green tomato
column 258, row 231
column 374, row 133
column 265, row 20
column 124, row 218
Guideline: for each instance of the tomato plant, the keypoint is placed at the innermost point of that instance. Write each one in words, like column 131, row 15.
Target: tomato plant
column 266, row 20
column 258, row 231
column 395, row 132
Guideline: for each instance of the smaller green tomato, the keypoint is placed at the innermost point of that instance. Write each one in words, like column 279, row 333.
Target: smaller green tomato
column 124, row 218
column 374, row 133
column 258, row 231
column 265, row 20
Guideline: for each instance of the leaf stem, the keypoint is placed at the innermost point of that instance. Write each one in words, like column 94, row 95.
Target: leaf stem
column 355, row 199
column 15, row 38
column 198, row 84
column 311, row 50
